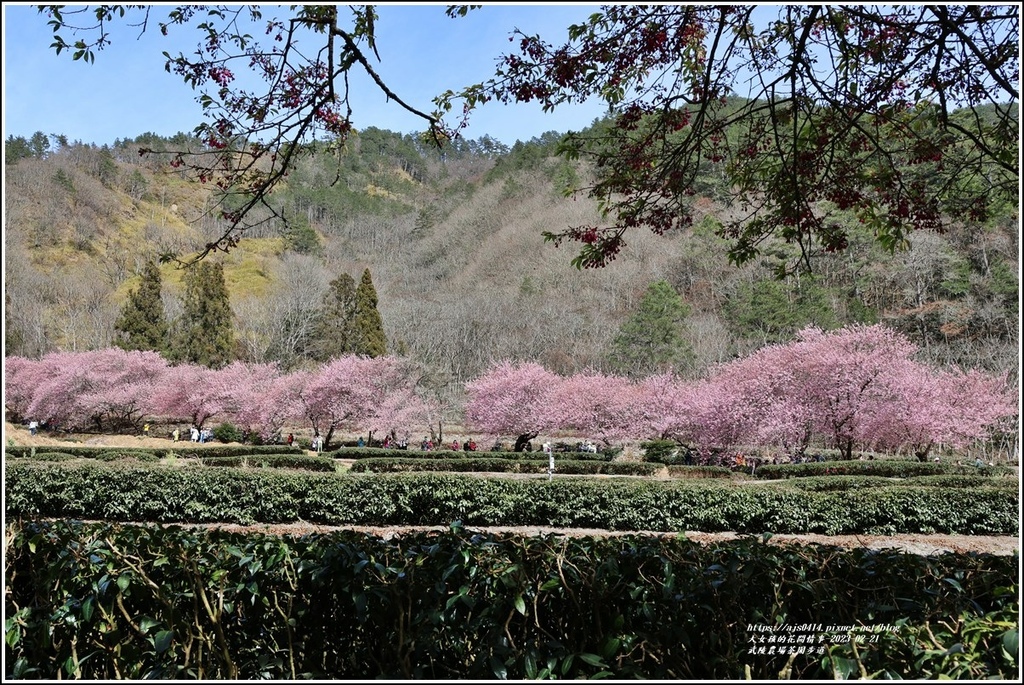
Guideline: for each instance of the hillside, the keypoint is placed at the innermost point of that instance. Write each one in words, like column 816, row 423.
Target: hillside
column 462, row 272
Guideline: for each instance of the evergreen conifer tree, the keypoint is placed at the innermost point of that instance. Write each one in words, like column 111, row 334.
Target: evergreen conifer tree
column 142, row 324
column 205, row 334
column 332, row 333
column 651, row 340
column 368, row 328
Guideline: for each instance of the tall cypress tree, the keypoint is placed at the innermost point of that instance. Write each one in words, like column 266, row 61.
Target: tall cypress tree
column 142, row 324
column 204, row 334
column 332, row 333
column 368, row 328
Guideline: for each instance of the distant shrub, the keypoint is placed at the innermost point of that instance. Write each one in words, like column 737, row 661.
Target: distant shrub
column 379, row 453
column 606, row 453
column 255, row 438
column 227, row 432
column 195, row 451
column 667, row 452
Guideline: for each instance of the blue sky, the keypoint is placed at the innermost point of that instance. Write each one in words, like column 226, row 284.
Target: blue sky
column 126, row 91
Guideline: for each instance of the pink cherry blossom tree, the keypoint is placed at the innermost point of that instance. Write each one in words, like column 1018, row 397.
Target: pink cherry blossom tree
column 184, row 393
column 353, row 392
column 256, row 397
column 512, row 399
column 336, row 395
column 124, row 393
column 856, row 386
column 665, row 408
column 596, row 405
column 400, row 407
column 21, row 378
column 55, row 395
column 110, row 388
column 827, row 385
column 721, row 418
column 846, row 378
column 753, row 400
column 949, row 407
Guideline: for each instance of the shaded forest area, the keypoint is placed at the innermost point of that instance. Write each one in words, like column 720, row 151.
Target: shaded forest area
column 463, row 276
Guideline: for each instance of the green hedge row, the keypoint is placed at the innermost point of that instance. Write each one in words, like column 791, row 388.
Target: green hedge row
column 108, row 602
column 486, row 465
column 49, row 456
column 889, row 468
column 381, row 453
column 303, row 462
column 676, row 471
column 185, row 450
column 840, row 483
column 139, row 493
column 110, row 454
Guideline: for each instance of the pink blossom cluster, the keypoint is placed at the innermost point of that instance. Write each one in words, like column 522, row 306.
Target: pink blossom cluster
column 859, row 387
column 114, row 389
column 854, row 388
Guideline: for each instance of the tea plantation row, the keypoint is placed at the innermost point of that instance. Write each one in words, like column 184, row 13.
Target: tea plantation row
column 112, row 602
column 158, row 493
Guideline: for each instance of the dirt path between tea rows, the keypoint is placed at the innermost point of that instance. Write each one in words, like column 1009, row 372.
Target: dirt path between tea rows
column 911, row 543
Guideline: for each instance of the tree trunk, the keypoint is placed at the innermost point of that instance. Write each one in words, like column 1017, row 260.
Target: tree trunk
column 922, row 454
column 522, row 440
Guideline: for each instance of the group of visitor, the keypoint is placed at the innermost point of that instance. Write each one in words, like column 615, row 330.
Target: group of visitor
column 741, row 461
column 427, row 445
column 195, row 434
column 391, row 443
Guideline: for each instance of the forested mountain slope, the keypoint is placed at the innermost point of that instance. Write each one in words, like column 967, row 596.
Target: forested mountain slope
column 463, row 276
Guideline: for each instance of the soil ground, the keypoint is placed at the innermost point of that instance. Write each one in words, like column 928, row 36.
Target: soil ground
column 911, row 543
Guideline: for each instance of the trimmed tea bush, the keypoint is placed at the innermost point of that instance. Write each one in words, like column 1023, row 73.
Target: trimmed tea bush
column 274, row 461
column 699, row 472
column 158, row 493
column 486, row 465
column 129, row 454
column 889, row 468
column 159, row 603
column 182, row 449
